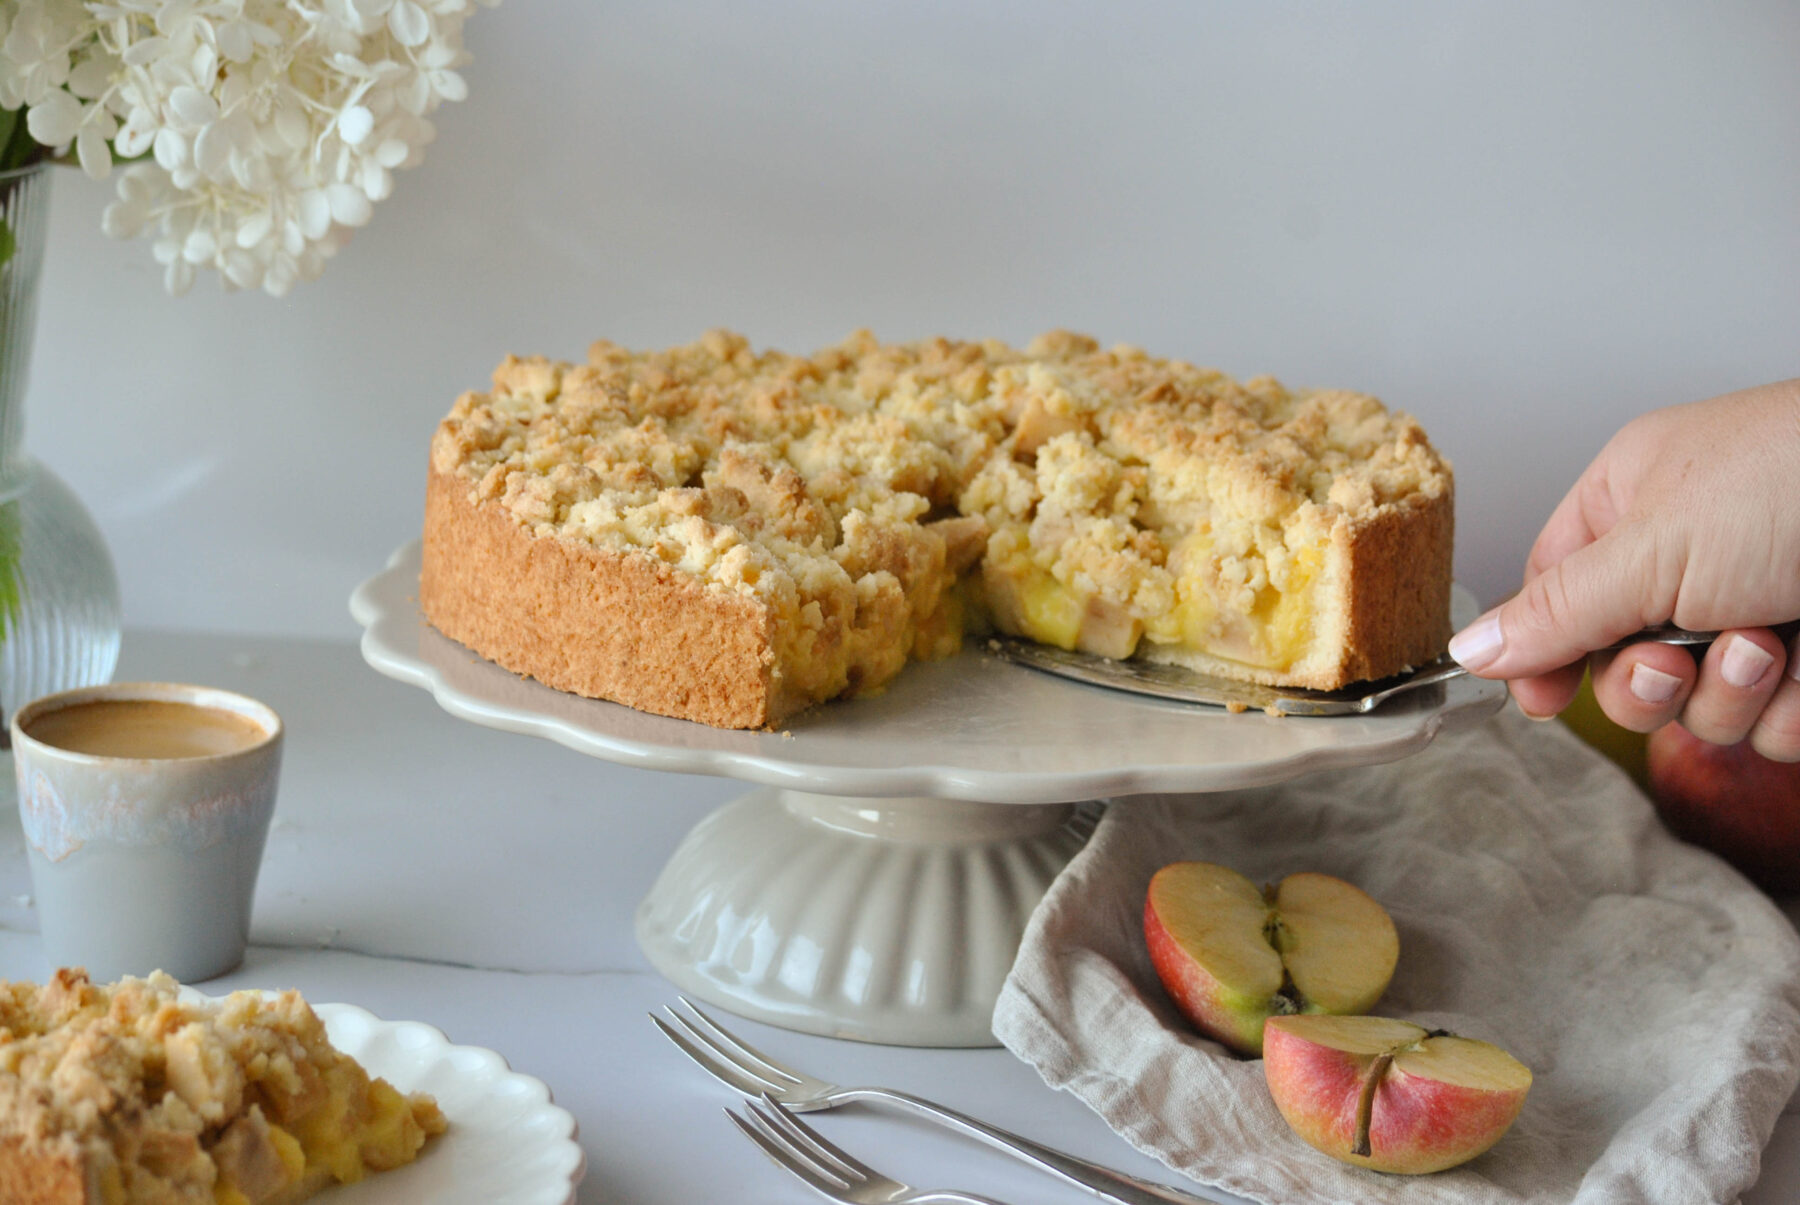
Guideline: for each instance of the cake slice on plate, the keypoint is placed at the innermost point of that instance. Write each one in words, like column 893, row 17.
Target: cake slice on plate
column 128, row 1095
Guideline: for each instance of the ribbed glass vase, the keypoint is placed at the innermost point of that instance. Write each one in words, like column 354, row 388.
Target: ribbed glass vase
column 59, row 596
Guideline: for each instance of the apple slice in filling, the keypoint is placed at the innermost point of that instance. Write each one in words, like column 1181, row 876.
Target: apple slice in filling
column 1027, row 600
column 1246, row 609
column 1252, row 607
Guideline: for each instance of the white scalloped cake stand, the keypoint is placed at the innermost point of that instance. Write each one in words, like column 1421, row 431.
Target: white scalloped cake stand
column 878, row 886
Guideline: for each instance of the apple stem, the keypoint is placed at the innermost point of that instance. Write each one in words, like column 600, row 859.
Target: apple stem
column 1365, row 1103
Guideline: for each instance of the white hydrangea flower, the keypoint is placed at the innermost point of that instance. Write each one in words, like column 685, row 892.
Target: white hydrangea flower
column 271, row 127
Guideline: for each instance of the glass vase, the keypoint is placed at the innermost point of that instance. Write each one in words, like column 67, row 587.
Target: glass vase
column 59, row 595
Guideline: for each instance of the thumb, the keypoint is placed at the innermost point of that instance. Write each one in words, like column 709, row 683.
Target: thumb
column 1596, row 595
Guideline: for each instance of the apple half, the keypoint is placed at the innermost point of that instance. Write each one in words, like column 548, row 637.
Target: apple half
column 1233, row 954
column 1390, row 1095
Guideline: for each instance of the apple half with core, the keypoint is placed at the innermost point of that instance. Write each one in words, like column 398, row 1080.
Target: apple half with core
column 1233, row 954
column 1391, row 1095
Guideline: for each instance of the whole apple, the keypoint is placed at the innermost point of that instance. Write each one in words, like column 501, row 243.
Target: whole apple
column 1732, row 800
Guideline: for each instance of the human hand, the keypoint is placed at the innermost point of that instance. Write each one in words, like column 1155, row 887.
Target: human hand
column 1689, row 515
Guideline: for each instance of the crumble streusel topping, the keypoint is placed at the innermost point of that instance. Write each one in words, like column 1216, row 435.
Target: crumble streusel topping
column 746, row 468
column 160, row 1100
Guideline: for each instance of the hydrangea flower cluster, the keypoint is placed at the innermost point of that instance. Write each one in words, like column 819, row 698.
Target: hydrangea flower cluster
column 267, row 128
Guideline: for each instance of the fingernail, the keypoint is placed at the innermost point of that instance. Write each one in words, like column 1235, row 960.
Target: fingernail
column 1744, row 662
column 1476, row 646
column 1652, row 685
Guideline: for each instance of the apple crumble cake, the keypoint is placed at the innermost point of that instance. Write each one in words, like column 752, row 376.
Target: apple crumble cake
column 730, row 535
column 126, row 1095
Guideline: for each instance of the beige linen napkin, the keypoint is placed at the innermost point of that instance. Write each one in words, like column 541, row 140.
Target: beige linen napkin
column 1654, row 994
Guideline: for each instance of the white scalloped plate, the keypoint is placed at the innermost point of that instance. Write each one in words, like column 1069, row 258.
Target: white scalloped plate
column 973, row 727
column 507, row 1143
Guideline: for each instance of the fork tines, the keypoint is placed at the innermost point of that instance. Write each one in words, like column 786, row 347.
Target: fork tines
column 743, row 1066
column 798, row 1147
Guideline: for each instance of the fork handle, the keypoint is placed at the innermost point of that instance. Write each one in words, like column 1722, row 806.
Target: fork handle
column 1103, row 1182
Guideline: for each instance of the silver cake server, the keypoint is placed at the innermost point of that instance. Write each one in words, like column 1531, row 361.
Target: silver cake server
column 1190, row 686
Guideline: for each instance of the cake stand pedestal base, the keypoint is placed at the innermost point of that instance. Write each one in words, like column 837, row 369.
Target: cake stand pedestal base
column 880, row 919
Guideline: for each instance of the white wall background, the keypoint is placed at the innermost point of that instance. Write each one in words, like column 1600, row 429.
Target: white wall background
column 1523, row 222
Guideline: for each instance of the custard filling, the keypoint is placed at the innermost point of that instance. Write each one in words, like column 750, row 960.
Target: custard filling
column 1260, row 615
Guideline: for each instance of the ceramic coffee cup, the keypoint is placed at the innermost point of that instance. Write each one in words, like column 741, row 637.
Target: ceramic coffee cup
column 145, row 807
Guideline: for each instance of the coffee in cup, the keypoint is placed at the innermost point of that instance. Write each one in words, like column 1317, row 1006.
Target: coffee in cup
column 145, row 807
column 145, row 728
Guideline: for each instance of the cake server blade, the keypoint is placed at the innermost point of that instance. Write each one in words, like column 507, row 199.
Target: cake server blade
column 1174, row 682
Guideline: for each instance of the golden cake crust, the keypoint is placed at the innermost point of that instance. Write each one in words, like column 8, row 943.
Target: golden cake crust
column 1398, row 613
column 31, row 1174
column 728, row 536
column 596, row 622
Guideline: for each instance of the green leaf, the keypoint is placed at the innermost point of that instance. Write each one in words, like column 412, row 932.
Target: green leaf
column 12, row 586
column 17, row 147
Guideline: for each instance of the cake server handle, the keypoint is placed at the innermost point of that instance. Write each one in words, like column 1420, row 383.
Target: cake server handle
column 1665, row 633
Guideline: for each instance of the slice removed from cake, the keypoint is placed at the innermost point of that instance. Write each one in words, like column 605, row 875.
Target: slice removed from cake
column 1244, row 530
column 129, row 1095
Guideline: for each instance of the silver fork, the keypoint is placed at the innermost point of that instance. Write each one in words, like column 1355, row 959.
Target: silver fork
column 827, row 1168
column 749, row 1071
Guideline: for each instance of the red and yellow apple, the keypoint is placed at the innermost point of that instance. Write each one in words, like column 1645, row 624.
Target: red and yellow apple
column 1732, row 800
column 1233, row 954
column 1390, row 1095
